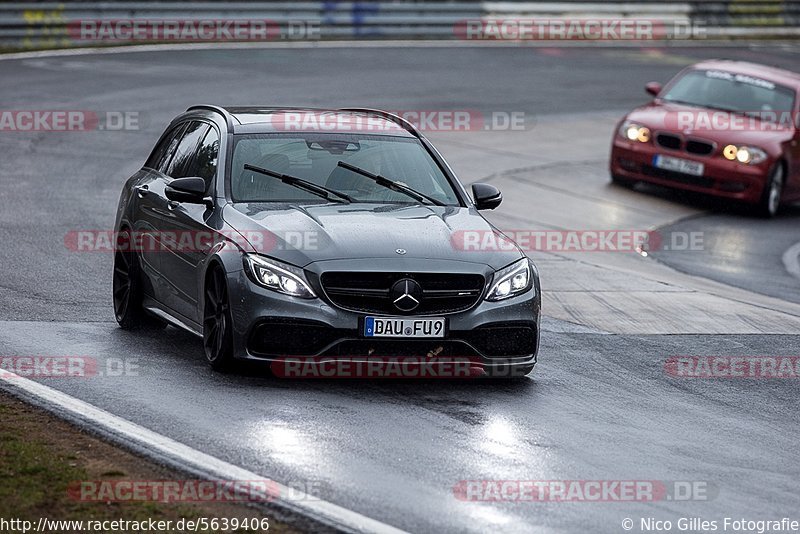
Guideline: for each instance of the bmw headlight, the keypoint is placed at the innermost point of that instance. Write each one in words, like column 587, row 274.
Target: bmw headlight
column 278, row 276
column 634, row 132
column 744, row 154
column 511, row 281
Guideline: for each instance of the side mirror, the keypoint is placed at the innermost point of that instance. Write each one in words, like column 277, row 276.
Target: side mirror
column 487, row 197
column 189, row 190
column 653, row 88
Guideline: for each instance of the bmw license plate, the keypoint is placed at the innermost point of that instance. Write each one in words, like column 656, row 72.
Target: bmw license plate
column 668, row 163
column 404, row 327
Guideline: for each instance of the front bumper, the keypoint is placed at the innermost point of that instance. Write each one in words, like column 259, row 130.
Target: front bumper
column 270, row 326
column 723, row 178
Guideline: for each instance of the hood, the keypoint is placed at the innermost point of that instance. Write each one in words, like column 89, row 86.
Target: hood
column 721, row 127
column 303, row 234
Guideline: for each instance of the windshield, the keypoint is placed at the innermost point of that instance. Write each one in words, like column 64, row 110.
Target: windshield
column 731, row 92
column 315, row 157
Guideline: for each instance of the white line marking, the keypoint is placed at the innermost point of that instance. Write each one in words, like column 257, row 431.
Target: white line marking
column 130, row 49
column 791, row 260
column 212, row 468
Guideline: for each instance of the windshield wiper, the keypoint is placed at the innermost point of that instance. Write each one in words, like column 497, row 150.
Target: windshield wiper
column 391, row 184
column 320, row 191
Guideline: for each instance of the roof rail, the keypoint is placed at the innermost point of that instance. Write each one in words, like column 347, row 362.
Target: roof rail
column 216, row 109
column 388, row 116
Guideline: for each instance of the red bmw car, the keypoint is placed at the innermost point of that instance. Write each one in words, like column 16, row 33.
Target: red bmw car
column 726, row 128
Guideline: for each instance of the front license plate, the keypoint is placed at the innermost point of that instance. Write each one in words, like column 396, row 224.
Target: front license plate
column 404, row 327
column 668, row 163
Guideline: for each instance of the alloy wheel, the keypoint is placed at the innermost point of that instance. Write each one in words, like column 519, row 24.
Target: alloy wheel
column 123, row 261
column 216, row 321
column 775, row 190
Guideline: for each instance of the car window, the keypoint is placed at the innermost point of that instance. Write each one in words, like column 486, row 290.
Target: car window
column 162, row 154
column 314, row 157
column 186, row 149
column 204, row 163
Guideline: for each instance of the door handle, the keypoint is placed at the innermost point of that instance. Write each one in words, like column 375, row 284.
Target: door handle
column 142, row 190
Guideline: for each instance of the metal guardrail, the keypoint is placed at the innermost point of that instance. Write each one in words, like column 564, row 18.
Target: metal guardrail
column 742, row 14
column 35, row 25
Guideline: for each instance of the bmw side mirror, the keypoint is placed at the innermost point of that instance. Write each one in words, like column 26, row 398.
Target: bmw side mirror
column 487, row 197
column 189, row 190
column 653, row 88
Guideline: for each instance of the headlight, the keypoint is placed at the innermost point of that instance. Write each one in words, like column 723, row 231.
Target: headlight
column 744, row 154
column 634, row 132
column 511, row 281
column 278, row 276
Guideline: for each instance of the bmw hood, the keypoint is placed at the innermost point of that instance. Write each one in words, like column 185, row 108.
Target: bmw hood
column 721, row 127
column 304, row 234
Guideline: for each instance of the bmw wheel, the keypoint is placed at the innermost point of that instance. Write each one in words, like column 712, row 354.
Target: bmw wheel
column 771, row 199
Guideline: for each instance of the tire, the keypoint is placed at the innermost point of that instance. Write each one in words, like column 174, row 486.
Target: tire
column 770, row 201
column 217, row 322
column 127, row 288
column 622, row 182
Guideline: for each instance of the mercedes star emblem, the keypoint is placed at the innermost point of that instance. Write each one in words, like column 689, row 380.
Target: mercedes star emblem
column 406, row 294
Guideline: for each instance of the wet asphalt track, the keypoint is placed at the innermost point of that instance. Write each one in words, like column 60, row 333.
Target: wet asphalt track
column 598, row 406
column 744, row 255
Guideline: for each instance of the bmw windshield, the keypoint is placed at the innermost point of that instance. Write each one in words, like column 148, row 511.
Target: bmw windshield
column 316, row 158
column 727, row 91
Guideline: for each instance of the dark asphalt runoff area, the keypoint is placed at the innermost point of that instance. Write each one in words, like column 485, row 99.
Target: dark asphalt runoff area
column 750, row 256
column 598, row 407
